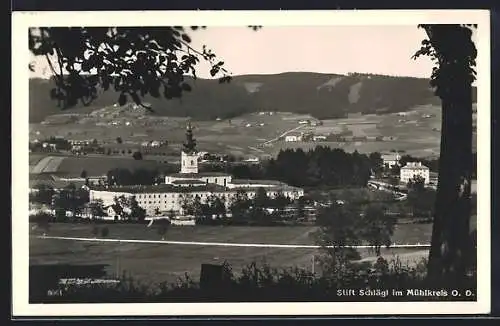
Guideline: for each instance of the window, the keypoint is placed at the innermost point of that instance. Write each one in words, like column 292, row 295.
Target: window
column 215, row 180
column 192, row 162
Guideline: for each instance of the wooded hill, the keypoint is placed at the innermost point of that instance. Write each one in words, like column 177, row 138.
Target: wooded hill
column 321, row 95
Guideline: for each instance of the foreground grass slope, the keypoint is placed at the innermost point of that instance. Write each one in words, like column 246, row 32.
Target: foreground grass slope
column 167, row 262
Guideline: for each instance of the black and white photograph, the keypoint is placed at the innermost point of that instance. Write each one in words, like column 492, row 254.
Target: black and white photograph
column 297, row 162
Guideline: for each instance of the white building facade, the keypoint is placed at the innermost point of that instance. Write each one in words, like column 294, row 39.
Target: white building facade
column 391, row 159
column 293, row 138
column 412, row 169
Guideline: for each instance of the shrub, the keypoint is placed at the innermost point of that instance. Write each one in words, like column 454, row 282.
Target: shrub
column 42, row 220
column 263, row 283
column 104, row 232
column 95, row 230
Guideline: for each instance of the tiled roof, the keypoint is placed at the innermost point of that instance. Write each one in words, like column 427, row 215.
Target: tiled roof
column 257, row 182
column 188, row 182
column 393, row 157
column 168, row 188
column 414, row 166
column 160, row 188
column 200, row 175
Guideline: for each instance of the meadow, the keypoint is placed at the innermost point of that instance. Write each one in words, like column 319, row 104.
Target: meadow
column 94, row 165
column 415, row 131
column 166, row 262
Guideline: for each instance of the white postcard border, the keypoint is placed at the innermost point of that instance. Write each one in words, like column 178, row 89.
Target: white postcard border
column 20, row 156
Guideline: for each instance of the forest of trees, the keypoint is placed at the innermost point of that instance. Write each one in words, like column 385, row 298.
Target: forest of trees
column 126, row 177
column 210, row 100
column 322, row 166
column 259, row 210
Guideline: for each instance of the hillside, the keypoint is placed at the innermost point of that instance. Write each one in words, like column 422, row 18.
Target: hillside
column 323, row 96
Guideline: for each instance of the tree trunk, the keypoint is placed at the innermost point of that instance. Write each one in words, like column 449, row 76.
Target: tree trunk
column 451, row 247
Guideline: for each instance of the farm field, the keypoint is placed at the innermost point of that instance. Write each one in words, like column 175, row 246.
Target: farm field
column 166, row 262
column 94, row 165
column 245, row 135
column 300, row 235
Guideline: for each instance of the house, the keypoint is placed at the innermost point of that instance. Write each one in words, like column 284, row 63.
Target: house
column 391, row 159
column 54, row 182
column 412, row 169
column 155, row 143
column 49, row 146
column 114, row 210
column 252, row 160
column 319, row 138
column 293, row 138
column 125, row 149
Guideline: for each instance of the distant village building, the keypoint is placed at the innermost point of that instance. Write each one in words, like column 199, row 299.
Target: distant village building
column 293, row 138
column 251, row 160
column 120, row 149
column 49, row 146
column 155, row 143
column 319, row 138
column 412, row 169
column 54, row 182
column 180, row 189
column 391, row 159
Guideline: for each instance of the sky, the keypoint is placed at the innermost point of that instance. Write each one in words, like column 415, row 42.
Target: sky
column 383, row 50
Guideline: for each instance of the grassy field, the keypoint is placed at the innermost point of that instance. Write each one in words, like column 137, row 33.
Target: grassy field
column 239, row 135
column 73, row 166
column 417, row 132
column 101, row 165
column 166, row 262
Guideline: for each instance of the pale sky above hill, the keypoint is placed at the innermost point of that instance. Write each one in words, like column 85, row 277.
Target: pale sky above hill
column 327, row 49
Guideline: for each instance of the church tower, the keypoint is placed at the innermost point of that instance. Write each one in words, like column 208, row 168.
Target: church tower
column 189, row 155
